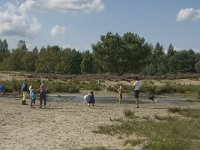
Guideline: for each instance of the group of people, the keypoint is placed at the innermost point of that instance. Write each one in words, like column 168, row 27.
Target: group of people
column 136, row 88
column 25, row 89
column 90, row 99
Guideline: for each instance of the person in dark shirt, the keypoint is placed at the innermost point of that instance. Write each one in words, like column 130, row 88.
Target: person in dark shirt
column 24, row 90
column 91, row 99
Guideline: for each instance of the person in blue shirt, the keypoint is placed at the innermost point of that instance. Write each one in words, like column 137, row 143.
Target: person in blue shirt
column 33, row 98
column 91, row 98
column 1, row 89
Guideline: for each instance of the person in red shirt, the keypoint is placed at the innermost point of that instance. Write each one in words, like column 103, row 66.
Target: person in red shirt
column 43, row 92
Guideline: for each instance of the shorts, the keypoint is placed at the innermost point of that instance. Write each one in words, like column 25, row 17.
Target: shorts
column 32, row 100
column 136, row 93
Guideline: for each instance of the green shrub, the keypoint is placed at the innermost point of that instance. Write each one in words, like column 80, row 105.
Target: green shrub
column 174, row 109
column 63, row 87
column 148, row 87
column 129, row 114
column 125, row 88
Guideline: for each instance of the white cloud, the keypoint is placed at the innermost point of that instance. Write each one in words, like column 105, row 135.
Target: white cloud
column 29, row 6
column 62, row 5
column 17, row 19
column 57, row 31
column 75, row 5
column 187, row 14
column 14, row 23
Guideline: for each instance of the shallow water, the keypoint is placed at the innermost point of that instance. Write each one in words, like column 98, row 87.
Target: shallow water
column 112, row 100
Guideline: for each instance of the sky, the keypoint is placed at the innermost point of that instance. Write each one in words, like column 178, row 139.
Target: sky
column 80, row 23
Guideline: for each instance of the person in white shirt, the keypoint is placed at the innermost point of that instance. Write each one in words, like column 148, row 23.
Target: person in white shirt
column 136, row 88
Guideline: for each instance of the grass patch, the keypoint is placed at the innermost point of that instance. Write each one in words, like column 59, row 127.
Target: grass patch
column 164, row 118
column 174, row 109
column 134, row 142
column 169, row 133
column 95, row 148
column 187, row 112
column 129, row 114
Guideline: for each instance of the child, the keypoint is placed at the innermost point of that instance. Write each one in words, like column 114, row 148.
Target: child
column 33, row 97
column 120, row 93
column 91, row 99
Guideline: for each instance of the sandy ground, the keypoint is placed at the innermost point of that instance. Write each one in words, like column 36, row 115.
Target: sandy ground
column 64, row 126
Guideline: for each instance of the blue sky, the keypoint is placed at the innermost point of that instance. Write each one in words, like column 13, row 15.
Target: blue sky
column 80, row 23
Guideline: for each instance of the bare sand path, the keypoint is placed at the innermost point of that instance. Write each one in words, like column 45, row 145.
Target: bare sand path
column 63, row 126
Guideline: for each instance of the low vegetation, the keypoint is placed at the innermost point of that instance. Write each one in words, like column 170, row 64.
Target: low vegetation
column 160, row 133
column 72, row 84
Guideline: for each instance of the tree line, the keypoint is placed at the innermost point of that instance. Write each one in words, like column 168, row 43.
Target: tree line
column 112, row 54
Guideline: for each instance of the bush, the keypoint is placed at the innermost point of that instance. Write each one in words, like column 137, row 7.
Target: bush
column 125, row 88
column 148, row 87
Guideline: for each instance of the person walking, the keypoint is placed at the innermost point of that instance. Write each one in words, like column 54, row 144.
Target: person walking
column 24, row 90
column 43, row 92
column 136, row 88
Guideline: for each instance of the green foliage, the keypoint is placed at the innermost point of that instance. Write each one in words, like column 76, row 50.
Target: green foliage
column 29, row 61
column 63, row 87
column 75, row 61
column 12, row 85
column 48, row 59
column 148, row 86
column 125, row 88
column 197, row 67
column 177, row 88
column 4, row 54
column 91, row 85
column 118, row 55
column 88, row 63
column 182, row 61
column 15, row 61
column 113, row 54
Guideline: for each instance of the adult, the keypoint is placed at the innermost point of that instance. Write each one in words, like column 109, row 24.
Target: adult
column 43, row 92
column 136, row 88
column 24, row 90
